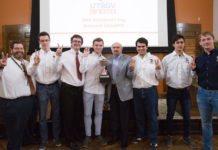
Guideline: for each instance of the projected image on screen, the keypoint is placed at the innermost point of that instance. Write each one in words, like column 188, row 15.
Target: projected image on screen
column 113, row 20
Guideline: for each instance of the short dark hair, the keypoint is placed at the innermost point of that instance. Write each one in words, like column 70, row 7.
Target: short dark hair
column 15, row 42
column 76, row 36
column 176, row 37
column 43, row 34
column 205, row 34
column 142, row 40
column 97, row 40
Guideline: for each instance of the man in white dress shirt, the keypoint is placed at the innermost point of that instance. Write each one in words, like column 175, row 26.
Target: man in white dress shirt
column 93, row 91
column 43, row 64
column 145, row 81
column 71, row 92
column 16, row 95
column 178, row 75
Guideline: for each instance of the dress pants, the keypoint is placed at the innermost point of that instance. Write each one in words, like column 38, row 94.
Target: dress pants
column 119, row 116
column 183, row 95
column 71, row 111
column 88, row 100
column 31, row 125
column 16, row 113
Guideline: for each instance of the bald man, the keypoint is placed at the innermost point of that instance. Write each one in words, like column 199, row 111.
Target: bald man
column 120, row 93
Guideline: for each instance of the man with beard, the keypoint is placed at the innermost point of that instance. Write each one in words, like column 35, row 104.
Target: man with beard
column 16, row 94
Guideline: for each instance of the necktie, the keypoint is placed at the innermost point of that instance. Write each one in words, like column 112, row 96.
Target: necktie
column 79, row 75
column 30, row 81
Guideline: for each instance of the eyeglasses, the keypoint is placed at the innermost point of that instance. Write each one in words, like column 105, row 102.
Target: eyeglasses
column 44, row 41
column 75, row 41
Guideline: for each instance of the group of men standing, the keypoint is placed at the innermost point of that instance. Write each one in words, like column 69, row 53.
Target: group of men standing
column 70, row 80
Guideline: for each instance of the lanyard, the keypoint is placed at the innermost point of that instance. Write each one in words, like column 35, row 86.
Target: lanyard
column 20, row 68
column 17, row 64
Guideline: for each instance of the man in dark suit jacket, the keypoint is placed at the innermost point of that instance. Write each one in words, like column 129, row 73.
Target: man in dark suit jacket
column 120, row 67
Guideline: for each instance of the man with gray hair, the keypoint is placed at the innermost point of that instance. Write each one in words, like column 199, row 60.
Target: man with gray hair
column 120, row 68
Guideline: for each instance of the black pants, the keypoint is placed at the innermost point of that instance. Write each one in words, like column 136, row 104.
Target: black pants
column 119, row 116
column 71, row 111
column 16, row 113
column 183, row 95
column 29, row 132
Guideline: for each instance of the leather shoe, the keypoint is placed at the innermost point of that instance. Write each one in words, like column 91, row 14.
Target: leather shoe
column 123, row 148
column 79, row 139
column 30, row 142
column 113, row 140
column 73, row 146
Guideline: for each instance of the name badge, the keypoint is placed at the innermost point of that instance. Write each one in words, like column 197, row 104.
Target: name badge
column 186, row 59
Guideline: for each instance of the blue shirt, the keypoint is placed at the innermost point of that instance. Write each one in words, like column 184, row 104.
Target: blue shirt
column 115, row 68
column 207, row 70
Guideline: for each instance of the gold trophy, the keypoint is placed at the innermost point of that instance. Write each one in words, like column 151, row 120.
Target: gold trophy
column 104, row 76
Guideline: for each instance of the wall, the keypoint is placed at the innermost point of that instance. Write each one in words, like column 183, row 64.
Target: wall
column 215, row 18
column 14, row 12
column 187, row 11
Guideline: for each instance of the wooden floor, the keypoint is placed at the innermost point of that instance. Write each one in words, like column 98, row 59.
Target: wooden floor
column 178, row 144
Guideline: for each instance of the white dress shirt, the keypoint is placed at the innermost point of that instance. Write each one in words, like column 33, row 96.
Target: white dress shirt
column 13, row 82
column 46, row 71
column 67, row 67
column 91, row 67
column 177, row 70
column 145, row 74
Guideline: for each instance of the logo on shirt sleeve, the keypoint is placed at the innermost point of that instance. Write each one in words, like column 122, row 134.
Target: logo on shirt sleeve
column 151, row 61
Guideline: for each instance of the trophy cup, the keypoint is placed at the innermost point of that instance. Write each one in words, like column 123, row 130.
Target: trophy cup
column 104, row 76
